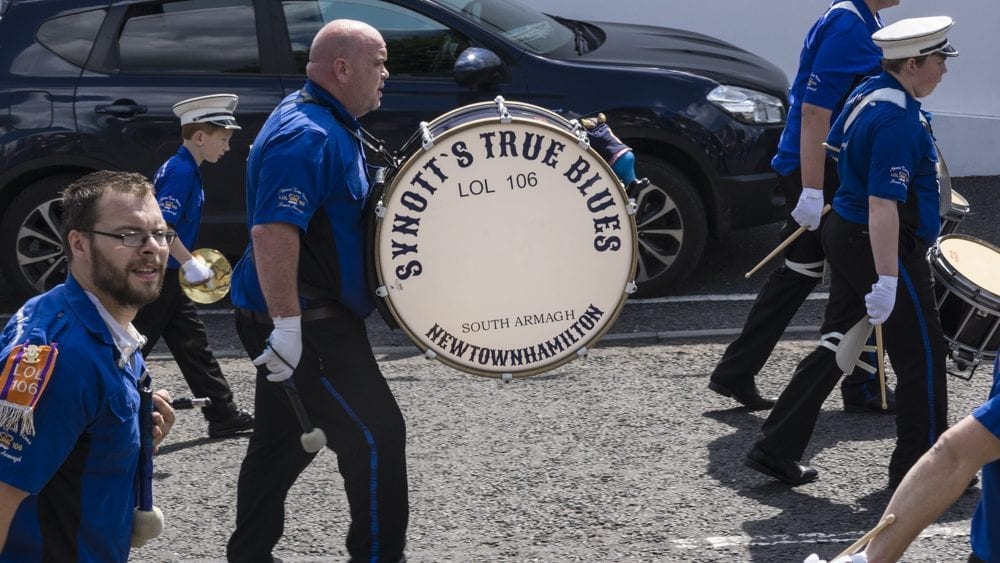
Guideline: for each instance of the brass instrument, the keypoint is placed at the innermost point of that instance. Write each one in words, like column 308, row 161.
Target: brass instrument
column 217, row 286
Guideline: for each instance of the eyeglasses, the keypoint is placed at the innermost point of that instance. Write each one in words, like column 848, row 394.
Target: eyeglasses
column 136, row 240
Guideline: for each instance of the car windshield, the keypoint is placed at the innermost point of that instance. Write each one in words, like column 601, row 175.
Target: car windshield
column 517, row 22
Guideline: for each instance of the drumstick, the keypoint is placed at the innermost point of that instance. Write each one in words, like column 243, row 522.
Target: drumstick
column 312, row 439
column 854, row 547
column 784, row 244
column 880, row 352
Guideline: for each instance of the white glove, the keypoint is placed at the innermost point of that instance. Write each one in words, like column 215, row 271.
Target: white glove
column 284, row 349
column 881, row 300
column 196, row 271
column 809, row 210
column 856, row 558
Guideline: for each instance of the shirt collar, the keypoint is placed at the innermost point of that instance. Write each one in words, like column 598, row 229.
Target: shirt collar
column 333, row 103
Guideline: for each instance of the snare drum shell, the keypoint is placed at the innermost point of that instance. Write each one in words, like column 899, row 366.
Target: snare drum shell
column 956, row 213
column 967, row 297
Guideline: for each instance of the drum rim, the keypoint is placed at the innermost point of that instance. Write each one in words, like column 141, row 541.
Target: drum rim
column 390, row 188
column 990, row 300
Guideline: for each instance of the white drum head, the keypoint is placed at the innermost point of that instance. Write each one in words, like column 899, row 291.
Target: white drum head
column 505, row 248
column 976, row 260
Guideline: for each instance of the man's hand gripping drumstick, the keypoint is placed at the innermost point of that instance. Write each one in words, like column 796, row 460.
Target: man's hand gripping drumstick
column 784, row 244
column 281, row 356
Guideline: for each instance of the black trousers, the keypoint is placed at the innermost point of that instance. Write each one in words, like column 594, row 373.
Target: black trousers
column 344, row 394
column 781, row 296
column 174, row 317
column 913, row 339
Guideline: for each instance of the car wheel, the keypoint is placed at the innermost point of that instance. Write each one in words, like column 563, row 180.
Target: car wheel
column 671, row 224
column 31, row 251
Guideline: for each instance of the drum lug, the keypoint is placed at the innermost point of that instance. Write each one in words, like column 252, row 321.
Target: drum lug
column 631, row 287
column 581, row 134
column 582, row 352
column 430, row 354
column 506, row 377
column 428, row 139
column 382, row 291
column 502, row 110
column 632, row 206
column 380, row 210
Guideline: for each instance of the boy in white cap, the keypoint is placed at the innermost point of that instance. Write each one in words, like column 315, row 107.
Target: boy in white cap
column 207, row 124
column 885, row 216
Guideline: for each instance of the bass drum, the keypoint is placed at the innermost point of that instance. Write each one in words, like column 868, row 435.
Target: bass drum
column 503, row 245
column 968, row 296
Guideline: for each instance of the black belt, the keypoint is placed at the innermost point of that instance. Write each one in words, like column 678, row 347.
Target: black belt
column 332, row 311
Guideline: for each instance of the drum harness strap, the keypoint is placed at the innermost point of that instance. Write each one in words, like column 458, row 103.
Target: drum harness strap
column 898, row 97
column 373, row 143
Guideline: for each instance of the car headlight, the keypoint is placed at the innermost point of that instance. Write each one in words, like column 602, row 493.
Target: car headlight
column 748, row 106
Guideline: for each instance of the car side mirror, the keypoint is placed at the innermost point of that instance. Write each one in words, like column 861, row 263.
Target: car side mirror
column 479, row 68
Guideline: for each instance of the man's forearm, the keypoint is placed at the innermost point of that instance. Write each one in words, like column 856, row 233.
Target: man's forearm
column 932, row 485
column 276, row 255
column 812, row 154
column 883, row 229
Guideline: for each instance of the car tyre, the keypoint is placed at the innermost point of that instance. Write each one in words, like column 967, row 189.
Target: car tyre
column 672, row 227
column 31, row 252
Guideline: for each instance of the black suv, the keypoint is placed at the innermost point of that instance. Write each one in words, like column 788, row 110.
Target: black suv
column 86, row 85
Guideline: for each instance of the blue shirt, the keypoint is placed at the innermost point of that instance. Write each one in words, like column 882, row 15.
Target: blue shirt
column 307, row 169
column 887, row 152
column 838, row 52
column 83, row 459
column 181, row 196
column 986, row 521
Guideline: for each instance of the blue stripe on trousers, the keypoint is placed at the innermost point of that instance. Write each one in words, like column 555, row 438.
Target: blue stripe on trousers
column 373, row 466
column 928, row 359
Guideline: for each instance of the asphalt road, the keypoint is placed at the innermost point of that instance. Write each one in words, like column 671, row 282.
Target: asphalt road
column 624, row 456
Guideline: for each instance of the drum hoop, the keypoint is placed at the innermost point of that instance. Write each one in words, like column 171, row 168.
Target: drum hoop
column 390, row 188
column 969, row 292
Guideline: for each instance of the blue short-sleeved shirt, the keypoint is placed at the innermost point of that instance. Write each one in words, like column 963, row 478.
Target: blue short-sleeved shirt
column 986, row 521
column 838, row 52
column 307, row 169
column 180, row 194
column 82, row 460
column 887, row 151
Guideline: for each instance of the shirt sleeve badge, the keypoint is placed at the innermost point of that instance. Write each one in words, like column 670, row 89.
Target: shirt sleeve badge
column 23, row 379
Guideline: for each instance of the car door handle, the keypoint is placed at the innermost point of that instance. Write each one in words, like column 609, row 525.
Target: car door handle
column 121, row 110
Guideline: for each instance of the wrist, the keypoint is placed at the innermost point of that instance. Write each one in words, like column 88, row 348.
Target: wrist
column 810, row 192
column 888, row 281
column 287, row 323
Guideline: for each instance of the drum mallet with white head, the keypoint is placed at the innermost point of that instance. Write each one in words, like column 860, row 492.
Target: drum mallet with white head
column 313, row 439
column 147, row 520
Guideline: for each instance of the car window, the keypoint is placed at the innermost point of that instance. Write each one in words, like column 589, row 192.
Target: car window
column 72, row 36
column 418, row 46
column 518, row 22
column 211, row 36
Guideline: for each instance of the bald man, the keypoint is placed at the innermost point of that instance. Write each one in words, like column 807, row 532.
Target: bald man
column 301, row 299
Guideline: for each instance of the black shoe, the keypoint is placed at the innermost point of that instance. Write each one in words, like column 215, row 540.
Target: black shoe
column 237, row 421
column 781, row 468
column 859, row 402
column 748, row 396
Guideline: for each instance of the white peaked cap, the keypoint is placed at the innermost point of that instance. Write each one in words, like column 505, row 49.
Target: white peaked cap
column 216, row 109
column 915, row 37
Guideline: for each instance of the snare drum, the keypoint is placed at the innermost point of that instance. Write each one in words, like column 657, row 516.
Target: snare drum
column 968, row 296
column 503, row 245
column 958, row 210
